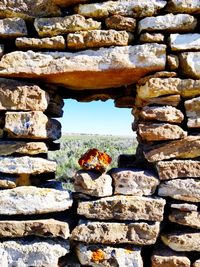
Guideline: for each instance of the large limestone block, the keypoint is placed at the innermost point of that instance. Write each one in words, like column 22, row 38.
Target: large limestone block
column 33, row 200
column 181, row 42
column 123, row 208
column 12, row 28
column 36, row 253
column 189, row 64
column 184, row 6
column 111, row 67
column 121, row 23
column 97, row 38
column 160, row 131
column 53, row 43
column 63, row 25
column 17, row 95
column 45, row 228
column 116, row 233
column 178, row 169
column 190, row 219
column 31, row 125
column 125, row 8
column 134, row 182
column 99, row 255
column 182, row 241
column 182, row 189
column 27, row 9
column 185, row 148
column 93, row 183
column 28, row 165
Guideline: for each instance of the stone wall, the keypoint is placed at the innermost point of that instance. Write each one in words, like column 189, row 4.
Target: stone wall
column 143, row 54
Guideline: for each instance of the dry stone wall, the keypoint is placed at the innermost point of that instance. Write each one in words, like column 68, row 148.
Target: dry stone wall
column 142, row 54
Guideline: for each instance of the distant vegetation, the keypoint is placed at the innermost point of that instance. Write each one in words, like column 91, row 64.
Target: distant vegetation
column 74, row 145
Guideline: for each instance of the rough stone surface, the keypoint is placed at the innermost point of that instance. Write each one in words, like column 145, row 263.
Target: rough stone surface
column 125, row 8
column 178, row 169
column 12, row 28
column 189, row 64
column 184, row 207
column 28, row 9
column 196, row 263
column 172, row 62
column 193, row 123
column 192, row 107
column 121, row 23
column 17, row 95
column 93, row 183
column 63, row 25
column 99, row 255
column 151, row 38
column 184, row 6
column 123, row 208
column 187, row 190
column 171, row 100
column 182, row 42
column 28, row 165
column 36, row 253
column 77, row 70
column 46, row 228
column 160, row 131
column 53, row 43
column 134, row 182
column 112, row 233
column 191, row 219
column 97, row 38
column 34, row 125
column 163, row 113
column 182, row 241
column 32, row 200
column 7, row 182
column 169, row 22
column 186, row 148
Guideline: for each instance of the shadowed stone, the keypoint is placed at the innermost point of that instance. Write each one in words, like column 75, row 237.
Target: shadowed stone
column 183, row 6
column 182, row 189
column 116, row 233
column 121, row 23
column 191, row 219
column 181, row 42
column 182, row 241
column 33, row 200
column 134, row 182
column 77, row 70
column 189, row 64
column 66, row 3
column 152, row 38
column 171, row 100
column 169, row 22
column 12, row 28
column 123, row 208
column 94, row 255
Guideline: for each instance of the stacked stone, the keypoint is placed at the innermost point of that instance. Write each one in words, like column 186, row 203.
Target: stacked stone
column 29, row 234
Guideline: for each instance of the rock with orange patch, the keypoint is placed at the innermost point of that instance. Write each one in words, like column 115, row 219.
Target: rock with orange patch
column 93, row 159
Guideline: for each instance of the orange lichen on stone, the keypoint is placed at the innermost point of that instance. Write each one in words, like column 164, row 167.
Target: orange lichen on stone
column 93, row 159
column 97, row 256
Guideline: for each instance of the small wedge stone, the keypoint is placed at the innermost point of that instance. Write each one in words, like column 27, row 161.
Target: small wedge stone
column 190, row 219
column 183, row 6
column 172, row 62
column 12, row 28
column 189, row 64
column 121, row 23
column 184, row 42
column 152, row 38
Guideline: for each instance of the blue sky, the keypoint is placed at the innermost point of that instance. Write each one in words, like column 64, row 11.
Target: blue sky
column 96, row 117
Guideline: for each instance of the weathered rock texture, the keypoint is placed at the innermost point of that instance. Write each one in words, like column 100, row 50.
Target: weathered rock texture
column 12, row 28
column 191, row 219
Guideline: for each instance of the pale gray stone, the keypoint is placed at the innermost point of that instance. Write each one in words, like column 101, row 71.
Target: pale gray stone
column 189, row 64
column 123, row 208
column 12, row 28
column 184, row 6
column 116, row 233
column 33, row 200
column 184, row 207
column 172, row 62
column 182, row 189
column 190, row 218
column 134, row 182
column 184, row 42
column 196, row 263
column 152, row 38
column 99, row 255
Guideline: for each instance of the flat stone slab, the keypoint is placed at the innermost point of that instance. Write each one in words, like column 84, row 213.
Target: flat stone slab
column 121, row 23
column 53, row 43
column 12, row 28
column 28, row 165
column 134, row 182
column 152, row 37
column 98, row 38
column 160, row 131
column 181, row 42
column 116, row 233
column 190, row 219
column 36, row 253
column 182, row 241
column 7, row 181
column 48, row 27
column 184, row 6
column 93, row 183
column 76, row 70
column 168, row 170
column 189, row 64
column 33, row 200
column 124, row 8
column 123, row 208
column 182, row 189
column 31, row 125
column 185, row 148
column 184, row 207
column 46, row 228
column 94, row 255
